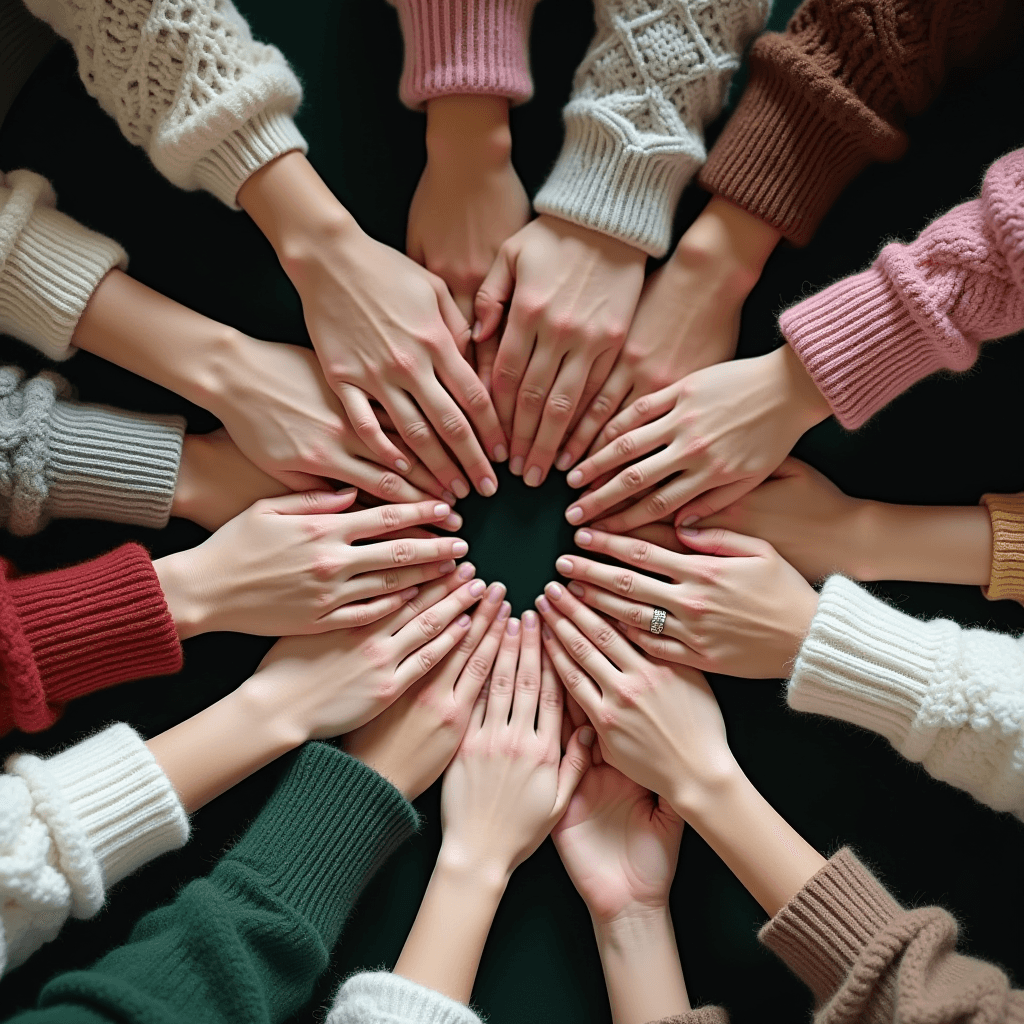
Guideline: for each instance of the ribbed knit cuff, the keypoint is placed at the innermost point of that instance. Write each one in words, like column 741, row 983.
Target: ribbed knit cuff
column 95, row 625
column 861, row 343
column 868, row 664
column 342, row 821
column 702, row 1015
column 602, row 183
column 824, row 929
column 794, row 141
column 53, row 265
column 1007, row 579
column 465, row 47
column 109, row 464
column 381, row 995
column 224, row 169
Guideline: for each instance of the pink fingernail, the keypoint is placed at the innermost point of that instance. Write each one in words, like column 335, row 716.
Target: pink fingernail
column 533, row 475
column 529, row 620
column 575, row 478
column 440, row 509
column 587, row 736
column 466, row 571
column 497, row 592
column 459, row 548
column 513, row 627
column 500, row 453
column 545, row 632
column 516, row 465
column 687, row 532
column 584, row 537
column 575, row 514
column 461, row 488
column 576, row 588
column 448, row 496
column 409, row 593
column 445, row 567
column 402, row 466
column 477, row 587
column 689, row 520
column 542, row 604
column 563, row 462
column 564, row 565
column 453, row 522
column 488, row 487
column 462, row 620
column 504, row 611
column 554, row 591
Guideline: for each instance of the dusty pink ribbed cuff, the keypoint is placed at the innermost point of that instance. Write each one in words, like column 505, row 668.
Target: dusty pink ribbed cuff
column 465, row 47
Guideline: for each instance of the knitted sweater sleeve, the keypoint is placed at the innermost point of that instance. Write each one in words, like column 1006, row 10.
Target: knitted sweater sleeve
column 465, row 47
column 380, row 997
column 1007, row 577
column 867, row 959
column 66, row 633
column 830, row 95
column 186, row 82
column 656, row 73
column 920, row 307
column 245, row 944
column 947, row 697
column 72, row 825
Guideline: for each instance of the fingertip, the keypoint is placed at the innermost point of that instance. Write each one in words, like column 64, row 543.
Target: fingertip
column 563, row 462
column 575, row 478
column 463, row 621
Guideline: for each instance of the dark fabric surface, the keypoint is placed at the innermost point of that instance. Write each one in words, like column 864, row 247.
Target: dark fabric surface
column 947, row 441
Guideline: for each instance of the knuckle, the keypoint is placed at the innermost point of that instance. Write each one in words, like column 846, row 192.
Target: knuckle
column 429, row 624
column 323, row 569
column 624, row 446
column 402, row 552
column 475, row 398
column 642, row 406
column 426, row 658
column 454, row 427
column 574, row 679
column 624, row 582
column 635, row 615
column 551, row 700
column 416, row 432
column 560, row 407
column 633, row 477
column 605, row 637
column 640, row 552
column 602, row 405
column 478, row 667
column 389, row 485
column 506, row 374
column 390, row 580
column 531, row 397
column 390, row 516
column 579, row 648
column 658, row 504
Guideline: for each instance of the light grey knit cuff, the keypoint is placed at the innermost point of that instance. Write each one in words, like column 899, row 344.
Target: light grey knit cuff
column 869, row 664
column 383, row 996
column 110, row 464
column 49, row 265
column 224, row 169
column 604, row 182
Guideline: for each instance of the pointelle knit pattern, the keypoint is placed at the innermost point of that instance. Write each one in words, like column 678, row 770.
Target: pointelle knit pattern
column 185, row 81
column 921, row 307
column 830, row 95
column 655, row 75
column 71, row 826
column 1007, row 578
column 947, row 697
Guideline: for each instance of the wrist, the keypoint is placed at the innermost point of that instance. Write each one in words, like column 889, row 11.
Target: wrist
column 468, row 130
column 795, row 391
column 631, row 923
column 694, row 796
column 482, row 873
column 179, row 582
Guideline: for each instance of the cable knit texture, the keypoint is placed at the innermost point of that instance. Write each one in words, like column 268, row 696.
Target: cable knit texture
column 186, row 82
column 948, row 697
column 66, row 633
column 868, row 961
column 71, row 826
column 1007, row 579
column 656, row 73
column 465, row 47
column 920, row 307
column 830, row 96
column 49, row 265
column 380, row 997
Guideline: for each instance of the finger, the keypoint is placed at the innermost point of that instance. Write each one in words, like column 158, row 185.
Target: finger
column 559, row 409
column 575, row 761
column 430, row 622
column 372, row 522
column 640, row 411
column 309, row 503
column 633, row 613
column 714, row 500
column 606, row 640
column 624, row 449
column 382, row 483
column 503, row 677
column 530, row 401
column 527, row 693
column 352, row 616
column 360, row 588
column 636, row 551
column 598, row 411
column 393, row 554
column 430, row 595
column 451, row 314
column 627, row 485
column 415, row 430
column 656, row 505
column 368, row 429
column 664, row 648
column 485, row 352
column 469, row 391
column 615, row 579
column 514, row 351
column 596, row 378
column 473, row 679
column 419, row 663
column 494, row 292
column 717, row 541
column 580, row 686
column 551, row 710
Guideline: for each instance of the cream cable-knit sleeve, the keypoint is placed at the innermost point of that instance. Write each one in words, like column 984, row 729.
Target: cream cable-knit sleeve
column 71, row 826
column 184, row 80
column 947, row 697
column 655, row 75
column 380, row 997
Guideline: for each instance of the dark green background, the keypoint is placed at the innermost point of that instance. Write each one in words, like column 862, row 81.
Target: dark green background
column 947, row 441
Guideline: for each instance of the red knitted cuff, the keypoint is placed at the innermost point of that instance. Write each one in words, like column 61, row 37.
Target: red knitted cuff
column 85, row 628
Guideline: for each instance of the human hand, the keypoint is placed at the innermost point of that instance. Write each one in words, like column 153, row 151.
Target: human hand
column 412, row 741
column 720, row 432
column 469, row 199
column 572, row 292
column 688, row 316
column 291, row 565
column 508, row 783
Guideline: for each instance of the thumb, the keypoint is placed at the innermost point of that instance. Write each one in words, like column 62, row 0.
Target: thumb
column 494, row 291
column 714, row 501
column 295, row 480
column 311, row 503
column 717, row 541
column 575, row 761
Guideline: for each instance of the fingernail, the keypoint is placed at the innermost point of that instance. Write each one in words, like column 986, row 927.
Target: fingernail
column 542, row 604
column 689, row 520
column 402, row 466
column 448, row 496
column 587, row 736
column 459, row 548
column 533, row 475
column 554, row 591
column 462, row 620
column 445, row 567
column 409, row 593
column 563, row 462
column 497, row 592
column 440, row 509
column 477, row 587
column 516, row 465
column 575, row 514
column 584, row 537
column 529, row 620
column 460, row 487
column 466, row 571
column 454, row 521
column 577, row 588
column 564, row 565
column 575, row 478
column 545, row 632
column 513, row 627
column 504, row 611
column 687, row 532
column 477, row 328
column 488, row 486
column 500, row 453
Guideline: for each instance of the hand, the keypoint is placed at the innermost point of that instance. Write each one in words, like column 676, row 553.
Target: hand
column 735, row 606
column 508, row 784
column 573, row 293
column 688, row 316
column 382, row 326
column 721, row 431
column 469, row 199
column 290, row 565
column 412, row 741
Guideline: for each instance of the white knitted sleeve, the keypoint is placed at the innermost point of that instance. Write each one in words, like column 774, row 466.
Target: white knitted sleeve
column 656, row 74
column 184, row 80
column 380, row 997
column 74, row 824
column 947, row 697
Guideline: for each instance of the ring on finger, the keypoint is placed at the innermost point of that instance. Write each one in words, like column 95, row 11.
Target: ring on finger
column 658, row 617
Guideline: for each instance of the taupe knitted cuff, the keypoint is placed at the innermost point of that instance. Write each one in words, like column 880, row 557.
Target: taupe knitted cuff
column 1007, row 579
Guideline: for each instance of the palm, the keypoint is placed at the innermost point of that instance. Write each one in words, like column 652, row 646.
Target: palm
column 618, row 844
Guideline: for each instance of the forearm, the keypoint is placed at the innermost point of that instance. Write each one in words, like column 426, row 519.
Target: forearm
column 641, row 967
column 473, row 128
column 447, row 938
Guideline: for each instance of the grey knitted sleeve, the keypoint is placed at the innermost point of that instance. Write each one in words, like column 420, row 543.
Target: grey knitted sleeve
column 61, row 459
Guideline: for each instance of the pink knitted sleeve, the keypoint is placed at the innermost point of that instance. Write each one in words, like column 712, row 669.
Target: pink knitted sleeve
column 459, row 47
column 920, row 307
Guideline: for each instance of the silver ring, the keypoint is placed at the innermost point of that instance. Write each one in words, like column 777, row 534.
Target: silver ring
column 658, row 620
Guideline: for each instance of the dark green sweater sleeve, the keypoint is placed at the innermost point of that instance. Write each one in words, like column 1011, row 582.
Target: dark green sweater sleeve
column 246, row 943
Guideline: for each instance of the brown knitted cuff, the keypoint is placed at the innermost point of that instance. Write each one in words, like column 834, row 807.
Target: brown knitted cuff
column 702, row 1015
column 1007, row 579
